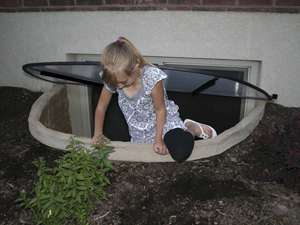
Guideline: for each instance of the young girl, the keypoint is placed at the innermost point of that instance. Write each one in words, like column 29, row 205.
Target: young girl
column 150, row 116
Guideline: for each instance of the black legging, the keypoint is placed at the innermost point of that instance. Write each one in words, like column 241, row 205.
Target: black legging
column 180, row 144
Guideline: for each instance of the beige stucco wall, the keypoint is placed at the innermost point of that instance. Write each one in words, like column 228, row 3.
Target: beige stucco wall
column 272, row 38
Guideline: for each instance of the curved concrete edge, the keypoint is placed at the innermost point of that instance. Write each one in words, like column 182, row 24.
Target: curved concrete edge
column 141, row 152
column 45, row 135
column 230, row 137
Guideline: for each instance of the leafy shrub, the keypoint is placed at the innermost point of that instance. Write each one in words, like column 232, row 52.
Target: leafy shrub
column 276, row 155
column 69, row 190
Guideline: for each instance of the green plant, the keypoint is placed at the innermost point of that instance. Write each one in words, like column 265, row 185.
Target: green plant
column 69, row 190
column 276, row 154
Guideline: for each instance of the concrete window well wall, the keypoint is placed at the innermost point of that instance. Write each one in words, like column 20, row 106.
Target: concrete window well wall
column 69, row 109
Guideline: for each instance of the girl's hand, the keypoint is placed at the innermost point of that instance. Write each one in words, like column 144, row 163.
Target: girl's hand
column 160, row 147
column 95, row 139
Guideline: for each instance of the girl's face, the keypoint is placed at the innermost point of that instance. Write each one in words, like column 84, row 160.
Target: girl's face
column 124, row 81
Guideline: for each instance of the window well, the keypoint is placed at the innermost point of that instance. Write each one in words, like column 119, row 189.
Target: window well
column 216, row 95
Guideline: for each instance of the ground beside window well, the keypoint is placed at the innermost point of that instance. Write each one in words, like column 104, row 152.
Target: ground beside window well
column 207, row 191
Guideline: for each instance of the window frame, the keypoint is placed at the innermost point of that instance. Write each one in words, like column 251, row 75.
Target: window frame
column 251, row 70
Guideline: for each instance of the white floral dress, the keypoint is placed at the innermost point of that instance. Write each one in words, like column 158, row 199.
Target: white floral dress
column 139, row 110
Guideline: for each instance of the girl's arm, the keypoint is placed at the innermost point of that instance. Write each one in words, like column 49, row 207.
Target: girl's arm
column 161, row 112
column 100, row 113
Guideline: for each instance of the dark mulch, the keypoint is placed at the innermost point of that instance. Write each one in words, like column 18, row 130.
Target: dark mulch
column 207, row 191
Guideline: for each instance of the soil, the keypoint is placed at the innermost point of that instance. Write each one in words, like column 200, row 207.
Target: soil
column 206, row 191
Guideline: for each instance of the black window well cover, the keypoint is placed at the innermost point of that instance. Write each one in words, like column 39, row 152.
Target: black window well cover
column 179, row 79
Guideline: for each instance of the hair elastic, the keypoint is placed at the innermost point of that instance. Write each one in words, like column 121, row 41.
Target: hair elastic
column 119, row 40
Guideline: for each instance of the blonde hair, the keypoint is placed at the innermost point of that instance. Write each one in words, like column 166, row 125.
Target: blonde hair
column 118, row 57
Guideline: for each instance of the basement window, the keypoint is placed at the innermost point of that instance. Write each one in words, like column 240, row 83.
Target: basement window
column 221, row 112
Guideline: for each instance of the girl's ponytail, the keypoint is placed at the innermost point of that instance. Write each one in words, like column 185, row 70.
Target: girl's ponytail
column 142, row 62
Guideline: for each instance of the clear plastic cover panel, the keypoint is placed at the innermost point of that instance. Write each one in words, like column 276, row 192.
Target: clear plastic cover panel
column 68, row 73
column 179, row 80
column 197, row 83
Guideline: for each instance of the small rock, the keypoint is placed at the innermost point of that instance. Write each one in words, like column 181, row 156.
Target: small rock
column 172, row 219
column 205, row 161
column 233, row 160
column 280, row 210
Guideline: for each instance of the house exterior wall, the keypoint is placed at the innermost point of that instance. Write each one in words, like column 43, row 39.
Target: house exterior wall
column 47, row 30
column 279, row 6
